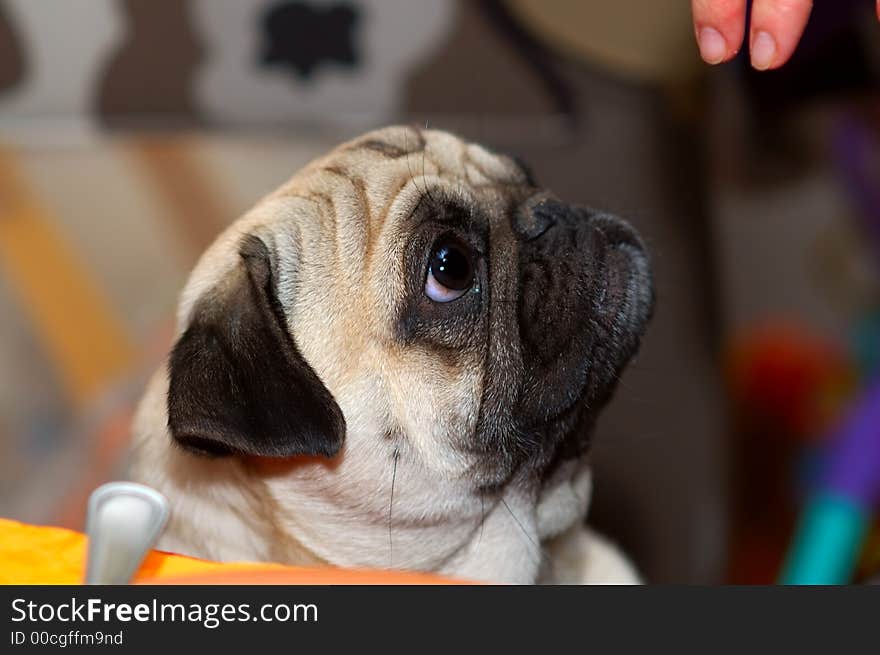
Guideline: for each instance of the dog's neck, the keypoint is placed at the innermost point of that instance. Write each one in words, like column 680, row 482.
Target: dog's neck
column 315, row 513
column 418, row 525
column 226, row 521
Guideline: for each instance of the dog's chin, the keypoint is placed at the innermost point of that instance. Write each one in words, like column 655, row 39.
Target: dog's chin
column 542, row 447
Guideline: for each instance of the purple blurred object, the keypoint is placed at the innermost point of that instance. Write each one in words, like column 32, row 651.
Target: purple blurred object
column 853, row 466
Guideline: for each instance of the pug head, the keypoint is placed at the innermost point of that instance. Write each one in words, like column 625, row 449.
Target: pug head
column 410, row 306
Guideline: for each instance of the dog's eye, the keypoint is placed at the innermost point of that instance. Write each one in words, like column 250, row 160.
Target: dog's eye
column 450, row 270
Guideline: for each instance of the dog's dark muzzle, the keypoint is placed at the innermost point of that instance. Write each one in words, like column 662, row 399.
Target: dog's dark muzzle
column 585, row 297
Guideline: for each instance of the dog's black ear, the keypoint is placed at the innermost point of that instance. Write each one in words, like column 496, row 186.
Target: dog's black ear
column 238, row 383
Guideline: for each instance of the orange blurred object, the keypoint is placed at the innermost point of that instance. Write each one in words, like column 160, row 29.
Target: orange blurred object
column 787, row 385
column 786, row 378
column 31, row 554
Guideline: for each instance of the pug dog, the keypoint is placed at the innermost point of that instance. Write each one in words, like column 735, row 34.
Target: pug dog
column 396, row 360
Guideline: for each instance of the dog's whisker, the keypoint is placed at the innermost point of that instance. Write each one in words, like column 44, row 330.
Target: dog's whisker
column 395, row 457
column 412, row 176
column 543, row 557
column 525, row 532
column 424, row 179
column 425, row 190
column 482, row 520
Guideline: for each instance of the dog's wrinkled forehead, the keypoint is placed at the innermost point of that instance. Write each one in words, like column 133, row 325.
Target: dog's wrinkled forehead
column 360, row 198
column 426, row 152
column 380, row 165
column 359, row 186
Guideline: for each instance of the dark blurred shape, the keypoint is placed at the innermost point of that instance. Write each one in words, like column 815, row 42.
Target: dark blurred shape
column 476, row 71
column 152, row 74
column 833, row 61
column 300, row 37
column 12, row 63
column 533, row 52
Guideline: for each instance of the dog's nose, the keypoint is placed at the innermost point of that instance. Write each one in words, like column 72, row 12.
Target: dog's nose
column 532, row 220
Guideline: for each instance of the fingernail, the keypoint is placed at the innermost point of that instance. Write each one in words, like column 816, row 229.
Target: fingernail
column 763, row 51
column 713, row 48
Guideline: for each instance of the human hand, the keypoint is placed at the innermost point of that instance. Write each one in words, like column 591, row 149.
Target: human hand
column 776, row 27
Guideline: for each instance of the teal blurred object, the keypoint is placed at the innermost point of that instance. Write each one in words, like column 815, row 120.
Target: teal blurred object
column 828, row 541
column 866, row 344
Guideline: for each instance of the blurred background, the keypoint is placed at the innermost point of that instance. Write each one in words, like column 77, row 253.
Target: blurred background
column 133, row 131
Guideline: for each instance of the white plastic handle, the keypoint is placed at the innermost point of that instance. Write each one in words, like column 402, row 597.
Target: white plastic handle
column 123, row 522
